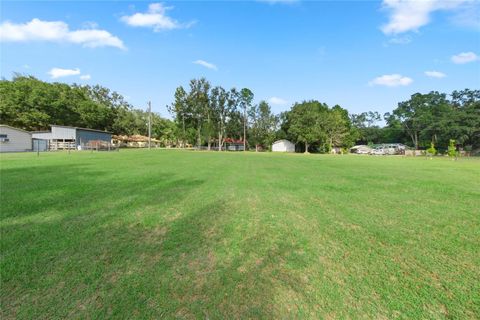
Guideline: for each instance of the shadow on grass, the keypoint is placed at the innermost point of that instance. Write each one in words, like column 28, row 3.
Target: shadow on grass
column 75, row 188
column 105, row 265
column 60, row 232
column 92, row 243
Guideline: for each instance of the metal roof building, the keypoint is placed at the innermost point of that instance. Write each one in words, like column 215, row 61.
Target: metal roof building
column 283, row 146
column 74, row 136
column 14, row 139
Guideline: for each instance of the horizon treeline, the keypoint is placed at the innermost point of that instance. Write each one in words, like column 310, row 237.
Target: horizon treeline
column 206, row 115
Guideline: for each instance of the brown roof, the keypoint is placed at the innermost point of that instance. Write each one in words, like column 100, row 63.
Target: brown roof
column 134, row 138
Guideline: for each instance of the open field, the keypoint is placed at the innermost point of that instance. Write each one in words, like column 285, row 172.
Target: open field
column 139, row 234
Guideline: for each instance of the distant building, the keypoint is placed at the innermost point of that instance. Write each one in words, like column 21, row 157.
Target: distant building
column 234, row 144
column 283, row 146
column 135, row 141
column 14, row 139
column 64, row 137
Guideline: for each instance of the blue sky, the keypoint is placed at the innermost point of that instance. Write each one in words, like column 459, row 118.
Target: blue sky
column 363, row 55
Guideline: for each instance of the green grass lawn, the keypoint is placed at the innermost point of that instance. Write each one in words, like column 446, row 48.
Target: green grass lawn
column 182, row 234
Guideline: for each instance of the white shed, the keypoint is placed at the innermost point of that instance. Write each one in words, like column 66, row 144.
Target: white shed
column 14, row 140
column 283, row 146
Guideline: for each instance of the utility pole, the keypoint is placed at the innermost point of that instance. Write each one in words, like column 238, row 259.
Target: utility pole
column 244, row 127
column 149, row 125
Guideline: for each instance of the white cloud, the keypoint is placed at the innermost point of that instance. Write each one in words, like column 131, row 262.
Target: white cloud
column 155, row 18
column 391, row 80
column 410, row 15
column 435, row 74
column 206, row 64
column 56, row 73
column 400, row 40
column 464, row 57
column 468, row 16
column 57, row 31
column 95, row 38
column 85, row 77
column 276, row 101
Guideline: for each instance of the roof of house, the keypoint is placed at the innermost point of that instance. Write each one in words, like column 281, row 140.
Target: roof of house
column 79, row 128
column 283, row 140
column 231, row 141
column 7, row 126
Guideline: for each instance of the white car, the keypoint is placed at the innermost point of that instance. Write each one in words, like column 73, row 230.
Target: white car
column 379, row 151
column 363, row 151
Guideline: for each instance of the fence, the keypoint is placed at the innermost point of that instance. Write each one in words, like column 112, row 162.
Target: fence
column 52, row 145
column 62, row 145
column 99, row 145
column 216, row 148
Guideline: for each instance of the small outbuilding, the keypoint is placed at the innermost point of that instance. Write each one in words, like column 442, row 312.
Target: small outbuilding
column 14, row 139
column 283, row 146
column 234, row 144
column 65, row 137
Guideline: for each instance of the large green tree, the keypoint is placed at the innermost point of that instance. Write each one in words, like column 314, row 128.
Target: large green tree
column 366, row 125
column 199, row 104
column 181, row 112
column 246, row 99
column 337, row 129
column 465, row 120
column 221, row 108
column 263, row 125
column 304, row 120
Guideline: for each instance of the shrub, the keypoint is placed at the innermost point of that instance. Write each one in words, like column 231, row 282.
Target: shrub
column 431, row 151
column 452, row 150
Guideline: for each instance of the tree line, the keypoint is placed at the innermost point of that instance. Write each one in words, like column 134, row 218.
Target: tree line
column 426, row 119
column 33, row 105
column 205, row 115
column 209, row 116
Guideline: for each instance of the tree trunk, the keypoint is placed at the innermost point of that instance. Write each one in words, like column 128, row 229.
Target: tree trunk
column 306, row 147
column 209, row 127
column 199, row 139
column 184, row 134
column 413, row 136
column 256, row 148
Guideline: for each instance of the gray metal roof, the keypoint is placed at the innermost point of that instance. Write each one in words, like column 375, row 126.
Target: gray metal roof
column 79, row 128
column 7, row 126
column 283, row 140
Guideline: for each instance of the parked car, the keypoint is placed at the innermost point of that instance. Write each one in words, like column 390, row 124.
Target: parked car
column 361, row 149
column 378, row 151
